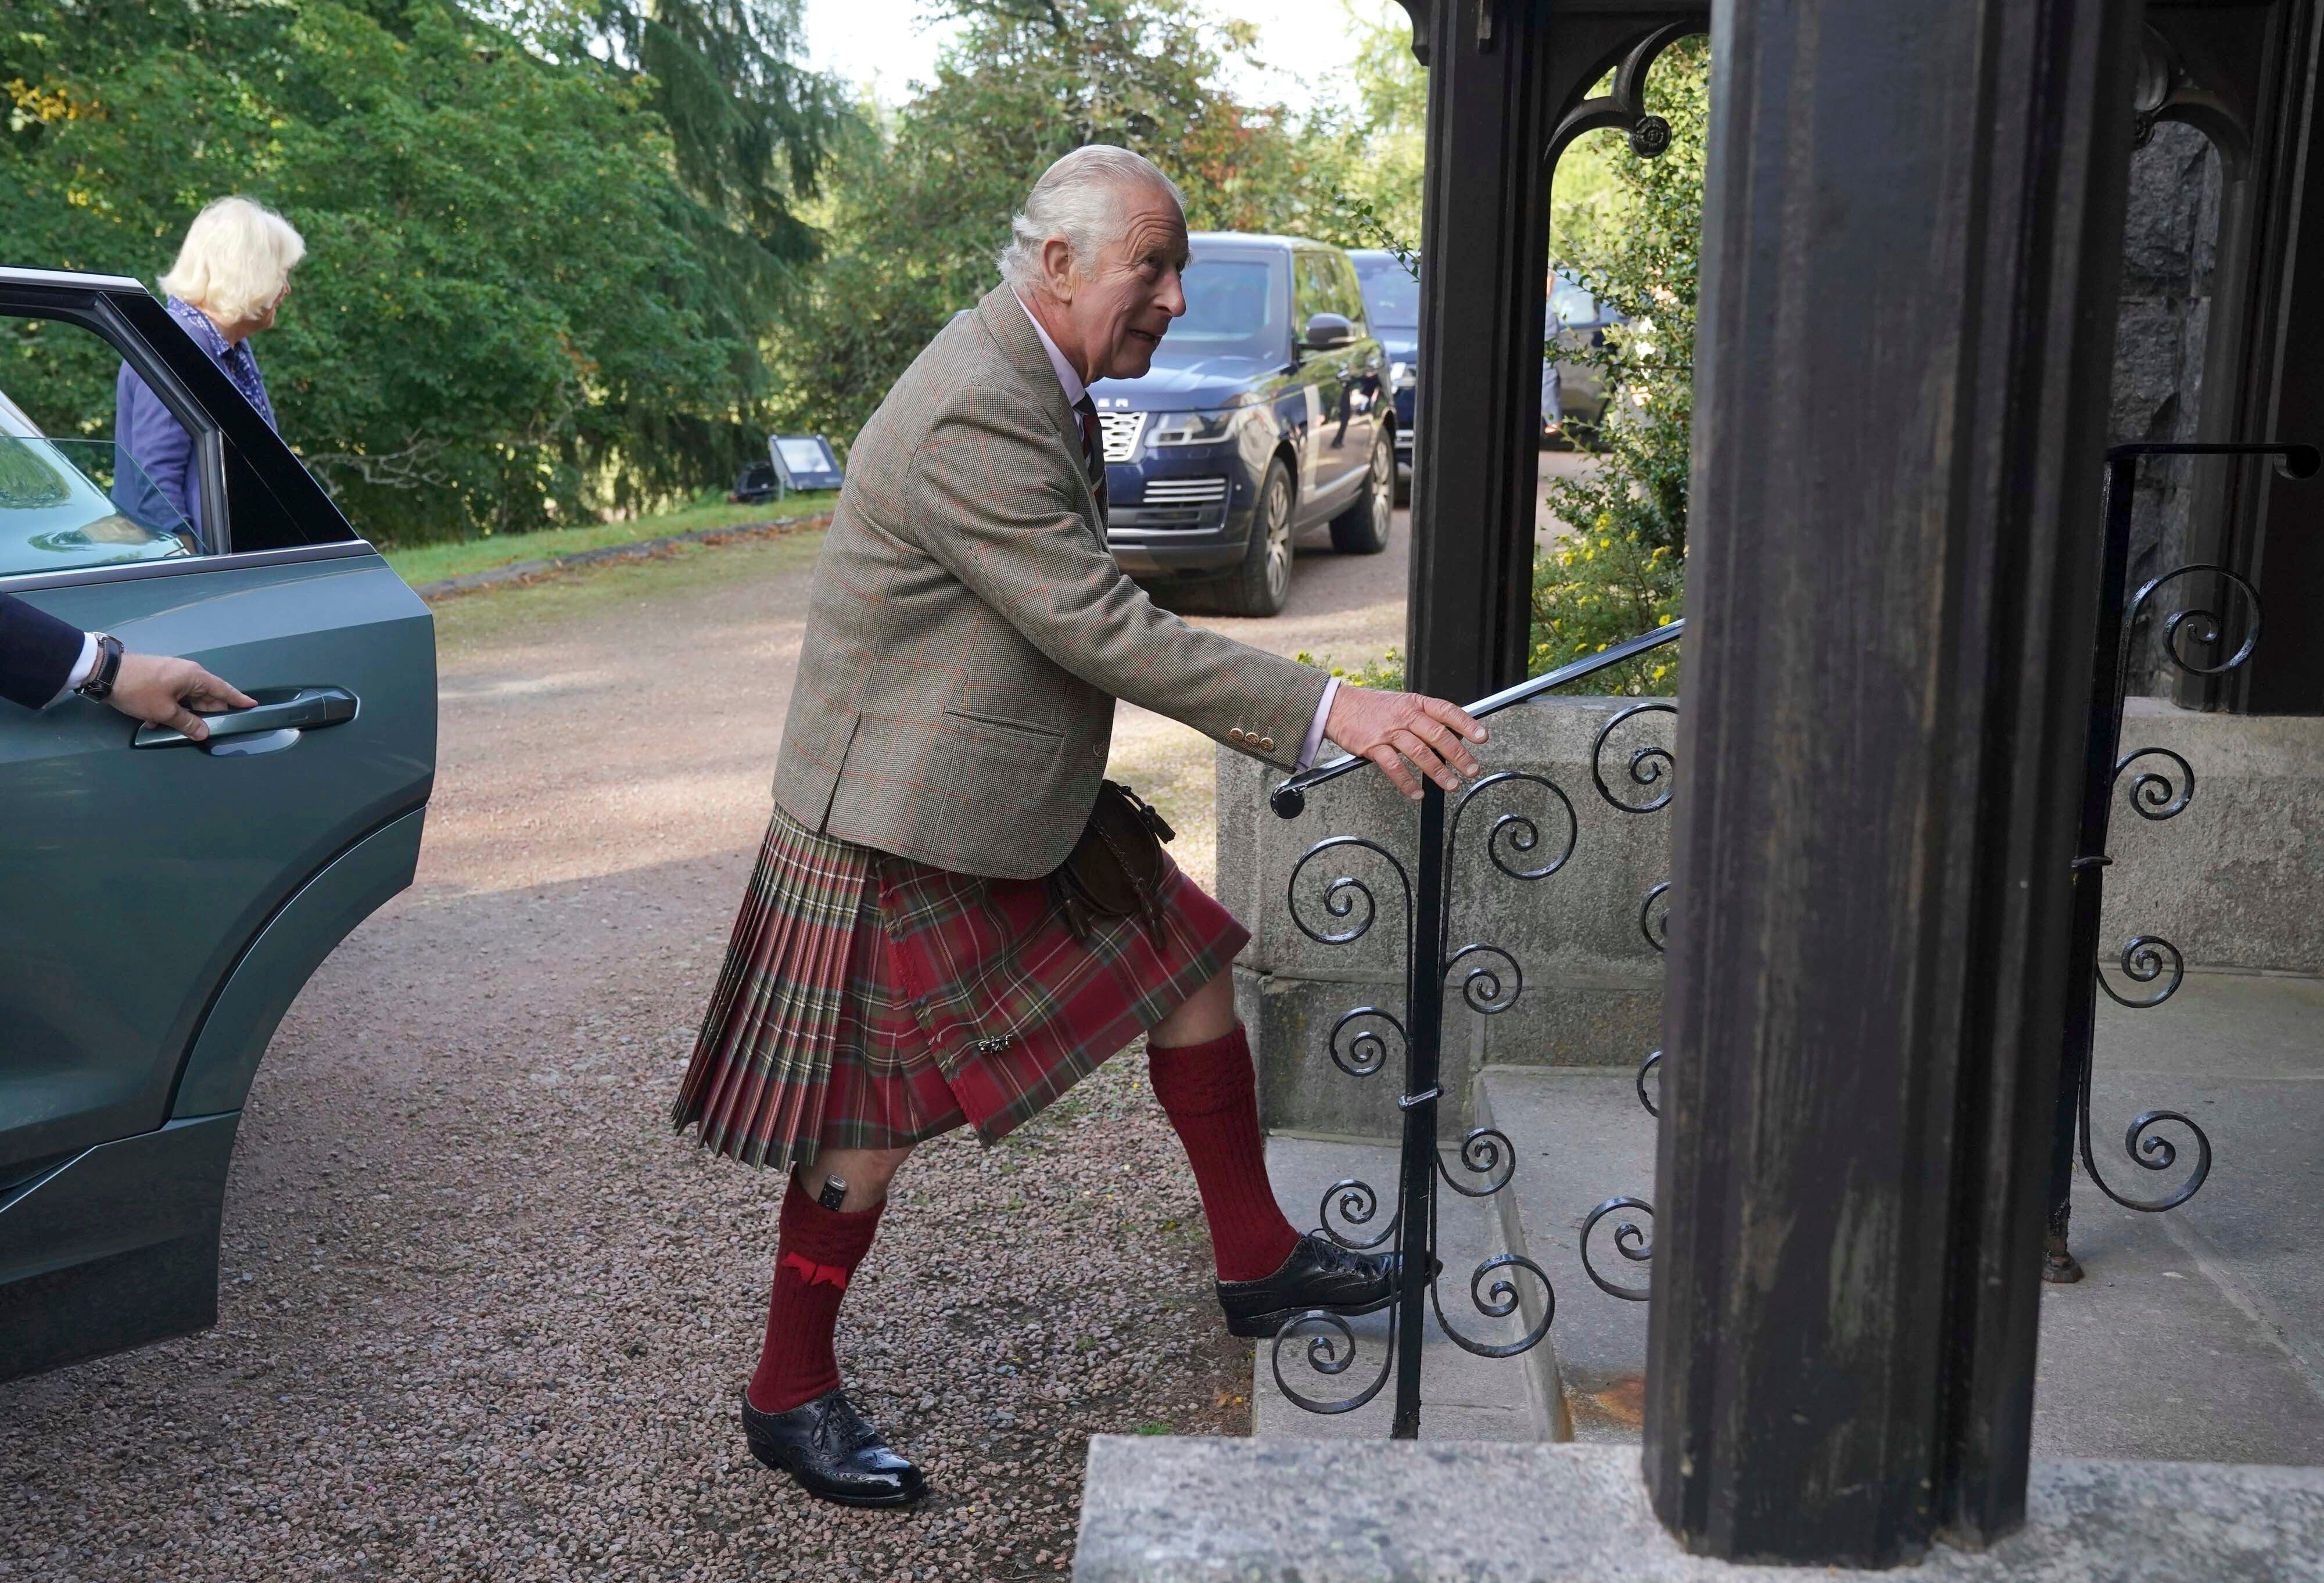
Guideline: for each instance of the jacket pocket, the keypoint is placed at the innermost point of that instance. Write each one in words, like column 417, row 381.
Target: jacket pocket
column 1046, row 735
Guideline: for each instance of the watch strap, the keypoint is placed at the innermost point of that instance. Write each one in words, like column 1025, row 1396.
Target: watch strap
column 100, row 681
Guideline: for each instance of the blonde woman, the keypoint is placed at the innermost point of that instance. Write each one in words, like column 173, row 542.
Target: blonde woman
column 233, row 272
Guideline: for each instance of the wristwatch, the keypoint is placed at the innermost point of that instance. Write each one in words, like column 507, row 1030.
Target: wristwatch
column 99, row 684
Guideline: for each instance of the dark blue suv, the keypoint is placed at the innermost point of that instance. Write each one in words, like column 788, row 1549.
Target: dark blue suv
column 1266, row 413
column 1392, row 304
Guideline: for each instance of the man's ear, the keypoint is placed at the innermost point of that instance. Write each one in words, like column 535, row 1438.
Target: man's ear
column 1057, row 268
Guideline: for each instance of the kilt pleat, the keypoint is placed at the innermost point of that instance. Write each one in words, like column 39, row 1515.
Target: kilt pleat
column 762, row 1063
column 870, row 1001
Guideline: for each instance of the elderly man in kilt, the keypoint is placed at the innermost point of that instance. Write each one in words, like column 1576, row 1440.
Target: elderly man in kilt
column 953, row 919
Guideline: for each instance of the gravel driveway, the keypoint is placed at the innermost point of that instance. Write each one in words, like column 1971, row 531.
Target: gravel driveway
column 484, row 1316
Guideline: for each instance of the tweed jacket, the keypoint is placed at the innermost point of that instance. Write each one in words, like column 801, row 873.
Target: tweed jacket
column 968, row 630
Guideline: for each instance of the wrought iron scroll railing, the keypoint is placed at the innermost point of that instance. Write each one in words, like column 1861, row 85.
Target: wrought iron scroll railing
column 1527, row 843
column 2200, row 640
column 1633, row 770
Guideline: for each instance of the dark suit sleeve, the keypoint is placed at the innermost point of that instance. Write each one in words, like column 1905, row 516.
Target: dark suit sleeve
column 37, row 653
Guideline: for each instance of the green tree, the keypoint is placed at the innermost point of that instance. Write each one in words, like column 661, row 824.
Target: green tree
column 515, row 309
column 1623, row 569
column 921, row 207
column 1373, row 136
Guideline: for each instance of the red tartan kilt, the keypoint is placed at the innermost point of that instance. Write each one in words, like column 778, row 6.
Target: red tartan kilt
column 870, row 1001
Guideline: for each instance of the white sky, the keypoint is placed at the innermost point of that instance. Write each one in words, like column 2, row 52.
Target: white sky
column 883, row 42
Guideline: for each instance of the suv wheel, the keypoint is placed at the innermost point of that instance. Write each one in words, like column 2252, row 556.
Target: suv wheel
column 1263, row 582
column 1362, row 528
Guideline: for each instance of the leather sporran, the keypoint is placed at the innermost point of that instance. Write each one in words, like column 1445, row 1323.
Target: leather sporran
column 1116, row 867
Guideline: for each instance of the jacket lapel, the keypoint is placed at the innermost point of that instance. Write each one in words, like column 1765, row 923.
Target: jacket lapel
column 1005, row 320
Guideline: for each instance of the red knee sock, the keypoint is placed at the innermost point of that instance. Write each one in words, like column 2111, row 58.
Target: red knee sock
column 1211, row 1097
column 815, row 1251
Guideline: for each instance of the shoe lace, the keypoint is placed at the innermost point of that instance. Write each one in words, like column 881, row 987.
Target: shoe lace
column 840, row 1428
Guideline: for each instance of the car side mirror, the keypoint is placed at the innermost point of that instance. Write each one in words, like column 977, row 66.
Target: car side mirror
column 1326, row 331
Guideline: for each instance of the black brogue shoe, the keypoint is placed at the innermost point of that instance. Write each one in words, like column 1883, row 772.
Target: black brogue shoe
column 1319, row 1273
column 826, row 1446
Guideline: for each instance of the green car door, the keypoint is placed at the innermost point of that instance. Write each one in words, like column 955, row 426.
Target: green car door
column 164, row 901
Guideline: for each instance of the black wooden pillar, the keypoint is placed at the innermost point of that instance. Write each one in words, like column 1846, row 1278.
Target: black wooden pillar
column 1485, row 259
column 1913, row 238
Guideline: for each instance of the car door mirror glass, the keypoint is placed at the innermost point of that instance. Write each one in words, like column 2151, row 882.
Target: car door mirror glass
column 1326, row 331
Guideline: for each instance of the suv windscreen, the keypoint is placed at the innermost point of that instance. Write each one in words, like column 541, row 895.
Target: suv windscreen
column 1232, row 310
column 1391, row 296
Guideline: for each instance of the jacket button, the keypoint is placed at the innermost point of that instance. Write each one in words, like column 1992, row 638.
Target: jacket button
column 1267, row 744
column 1098, row 748
column 1235, row 734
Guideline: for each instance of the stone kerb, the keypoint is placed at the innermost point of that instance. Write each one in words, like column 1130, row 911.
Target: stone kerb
column 2232, row 881
column 1592, row 985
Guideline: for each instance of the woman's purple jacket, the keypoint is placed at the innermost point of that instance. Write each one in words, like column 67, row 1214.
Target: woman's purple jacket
column 161, row 485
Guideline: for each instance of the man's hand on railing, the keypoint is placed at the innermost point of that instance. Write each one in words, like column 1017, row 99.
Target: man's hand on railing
column 1391, row 729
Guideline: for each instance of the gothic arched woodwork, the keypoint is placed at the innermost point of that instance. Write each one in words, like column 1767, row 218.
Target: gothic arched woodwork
column 1625, row 108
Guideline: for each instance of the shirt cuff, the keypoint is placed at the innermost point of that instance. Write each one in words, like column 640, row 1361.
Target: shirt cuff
column 1314, row 743
column 87, row 663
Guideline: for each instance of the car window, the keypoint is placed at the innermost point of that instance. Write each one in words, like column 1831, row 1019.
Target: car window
column 72, row 493
column 1233, row 310
column 1348, row 291
column 1312, row 291
column 1391, row 296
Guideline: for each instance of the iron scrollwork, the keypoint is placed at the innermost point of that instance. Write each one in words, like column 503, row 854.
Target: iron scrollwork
column 2208, row 635
column 1357, row 1204
column 1528, row 841
column 1633, row 1241
column 1360, row 1045
column 1331, row 1348
column 1485, row 1153
column 1499, row 1303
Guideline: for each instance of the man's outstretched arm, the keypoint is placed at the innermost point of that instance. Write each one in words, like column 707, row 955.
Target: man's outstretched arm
column 42, row 659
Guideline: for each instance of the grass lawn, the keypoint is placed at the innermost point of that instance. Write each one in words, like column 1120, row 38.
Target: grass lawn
column 429, row 563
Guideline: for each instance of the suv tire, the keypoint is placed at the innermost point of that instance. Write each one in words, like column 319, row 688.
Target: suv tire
column 1259, row 587
column 1363, row 528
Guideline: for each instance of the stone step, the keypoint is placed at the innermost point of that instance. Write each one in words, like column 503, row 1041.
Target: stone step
column 1463, row 1397
column 1580, row 1138
column 2195, row 1334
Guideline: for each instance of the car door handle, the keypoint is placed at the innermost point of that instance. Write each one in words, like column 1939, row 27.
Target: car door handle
column 278, row 709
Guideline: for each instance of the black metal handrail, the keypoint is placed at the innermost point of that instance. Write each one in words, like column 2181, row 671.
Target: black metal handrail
column 1521, row 846
column 1289, row 800
column 1531, row 847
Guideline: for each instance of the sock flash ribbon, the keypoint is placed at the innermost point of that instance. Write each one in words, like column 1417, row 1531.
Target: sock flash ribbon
column 810, row 1272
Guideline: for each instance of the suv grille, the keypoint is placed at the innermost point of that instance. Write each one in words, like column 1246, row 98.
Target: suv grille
column 1185, row 492
column 1120, row 431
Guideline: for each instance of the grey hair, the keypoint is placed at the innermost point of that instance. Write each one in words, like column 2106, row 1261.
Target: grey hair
column 1075, row 199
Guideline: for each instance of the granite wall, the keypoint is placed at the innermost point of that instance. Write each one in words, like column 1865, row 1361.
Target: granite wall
column 2170, row 250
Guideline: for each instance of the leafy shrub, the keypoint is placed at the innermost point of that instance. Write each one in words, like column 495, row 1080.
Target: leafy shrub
column 1622, row 571
column 1386, row 672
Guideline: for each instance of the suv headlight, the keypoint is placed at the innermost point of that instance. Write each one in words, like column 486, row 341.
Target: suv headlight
column 1402, row 376
column 1191, row 429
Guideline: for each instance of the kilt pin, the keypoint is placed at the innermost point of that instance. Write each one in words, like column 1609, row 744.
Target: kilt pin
column 902, row 964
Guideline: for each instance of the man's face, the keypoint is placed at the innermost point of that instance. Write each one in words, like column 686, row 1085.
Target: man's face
column 1121, row 312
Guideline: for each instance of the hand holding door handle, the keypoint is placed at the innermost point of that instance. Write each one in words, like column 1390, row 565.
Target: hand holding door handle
column 276, row 709
column 164, row 692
